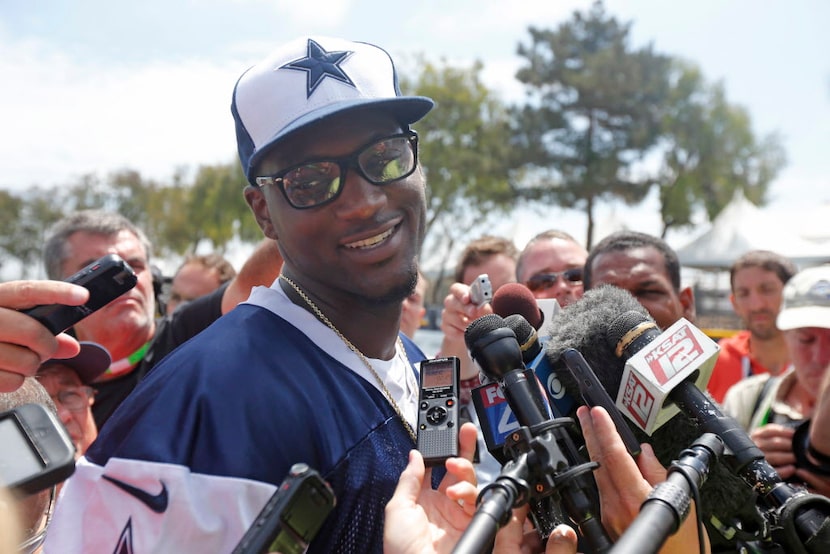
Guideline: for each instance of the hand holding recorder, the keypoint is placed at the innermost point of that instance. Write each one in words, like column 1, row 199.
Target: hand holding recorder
column 24, row 342
column 34, row 314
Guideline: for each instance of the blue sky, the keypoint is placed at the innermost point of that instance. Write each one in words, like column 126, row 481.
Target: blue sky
column 95, row 86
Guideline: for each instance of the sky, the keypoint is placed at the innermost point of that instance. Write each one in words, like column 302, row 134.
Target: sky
column 94, row 86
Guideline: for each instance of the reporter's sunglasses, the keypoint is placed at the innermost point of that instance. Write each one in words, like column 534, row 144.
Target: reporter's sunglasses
column 542, row 281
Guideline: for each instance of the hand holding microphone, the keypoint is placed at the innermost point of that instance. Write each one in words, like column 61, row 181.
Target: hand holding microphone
column 544, row 459
column 659, row 379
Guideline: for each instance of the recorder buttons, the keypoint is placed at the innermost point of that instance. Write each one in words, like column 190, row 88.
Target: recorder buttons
column 436, row 415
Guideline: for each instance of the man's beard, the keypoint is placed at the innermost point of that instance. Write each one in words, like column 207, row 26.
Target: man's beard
column 398, row 293
column 763, row 331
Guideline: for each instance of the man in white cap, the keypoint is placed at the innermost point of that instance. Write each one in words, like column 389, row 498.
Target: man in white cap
column 770, row 408
column 309, row 370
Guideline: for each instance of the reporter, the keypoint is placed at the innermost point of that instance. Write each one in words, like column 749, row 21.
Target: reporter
column 24, row 342
column 817, row 449
column 820, row 431
column 771, row 408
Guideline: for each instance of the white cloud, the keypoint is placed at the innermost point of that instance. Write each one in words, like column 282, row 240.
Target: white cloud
column 321, row 14
column 74, row 119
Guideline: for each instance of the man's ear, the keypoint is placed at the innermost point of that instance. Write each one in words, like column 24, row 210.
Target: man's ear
column 255, row 198
column 687, row 300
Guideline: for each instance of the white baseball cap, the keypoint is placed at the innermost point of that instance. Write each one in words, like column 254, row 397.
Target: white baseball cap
column 806, row 300
column 307, row 80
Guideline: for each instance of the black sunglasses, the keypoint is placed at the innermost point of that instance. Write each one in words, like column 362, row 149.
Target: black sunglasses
column 317, row 182
column 544, row 281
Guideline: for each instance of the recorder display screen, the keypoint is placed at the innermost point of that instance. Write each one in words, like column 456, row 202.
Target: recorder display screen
column 436, row 376
column 19, row 460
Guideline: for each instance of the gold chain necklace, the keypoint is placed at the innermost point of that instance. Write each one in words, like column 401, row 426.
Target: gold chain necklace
column 321, row 316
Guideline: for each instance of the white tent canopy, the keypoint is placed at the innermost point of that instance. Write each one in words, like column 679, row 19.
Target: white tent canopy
column 740, row 227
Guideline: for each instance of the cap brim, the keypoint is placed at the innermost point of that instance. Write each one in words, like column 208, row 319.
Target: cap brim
column 90, row 363
column 405, row 109
column 807, row 316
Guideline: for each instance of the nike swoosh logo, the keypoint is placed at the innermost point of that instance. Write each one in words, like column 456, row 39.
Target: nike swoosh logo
column 156, row 502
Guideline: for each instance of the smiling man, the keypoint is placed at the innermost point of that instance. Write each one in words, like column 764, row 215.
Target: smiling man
column 309, row 370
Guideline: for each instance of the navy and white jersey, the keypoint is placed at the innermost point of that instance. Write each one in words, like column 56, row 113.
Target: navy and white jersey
column 189, row 459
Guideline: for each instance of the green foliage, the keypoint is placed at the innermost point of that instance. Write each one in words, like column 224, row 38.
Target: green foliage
column 709, row 151
column 176, row 216
column 25, row 221
column 592, row 113
column 217, row 204
column 463, row 149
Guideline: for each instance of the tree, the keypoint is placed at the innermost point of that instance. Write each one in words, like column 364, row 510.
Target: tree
column 24, row 233
column 464, row 151
column 709, row 151
column 592, row 112
column 217, row 206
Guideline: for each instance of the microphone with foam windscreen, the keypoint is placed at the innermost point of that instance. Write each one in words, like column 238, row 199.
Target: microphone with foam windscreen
column 545, row 460
column 583, row 326
column 656, row 375
column 516, row 304
column 515, row 298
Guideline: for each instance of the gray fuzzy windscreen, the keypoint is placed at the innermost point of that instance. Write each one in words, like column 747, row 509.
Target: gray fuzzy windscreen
column 584, row 325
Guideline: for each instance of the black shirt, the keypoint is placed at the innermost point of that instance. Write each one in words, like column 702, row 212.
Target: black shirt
column 172, row 330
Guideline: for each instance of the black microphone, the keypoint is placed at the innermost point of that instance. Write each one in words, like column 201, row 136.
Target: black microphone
column 667, row 506
column 533, row 353
column 548, row 459
column 587, row 326
column 495, row 415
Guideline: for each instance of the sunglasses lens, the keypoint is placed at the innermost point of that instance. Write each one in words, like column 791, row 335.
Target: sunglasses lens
column 388, row 160
column 312, row 184
column 541, row 282
column 547, row 280
column 573, row 275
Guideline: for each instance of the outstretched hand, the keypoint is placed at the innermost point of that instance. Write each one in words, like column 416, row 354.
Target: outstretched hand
column 24, row 342
column 420, row 519
column 624, row 483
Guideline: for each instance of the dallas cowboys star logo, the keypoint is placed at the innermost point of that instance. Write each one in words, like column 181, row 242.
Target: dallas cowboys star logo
column 319, row 64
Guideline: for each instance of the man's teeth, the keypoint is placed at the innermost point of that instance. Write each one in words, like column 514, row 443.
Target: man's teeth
column 371, row 241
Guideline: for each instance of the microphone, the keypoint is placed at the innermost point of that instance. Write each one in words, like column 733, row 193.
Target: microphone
column 659, row 366
column 545, row 460
column 515, row 298
column 495, row 415
column 656, row 383
column 667, row 506
column 535, row 358
column 516, row 304
column 582, row 326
